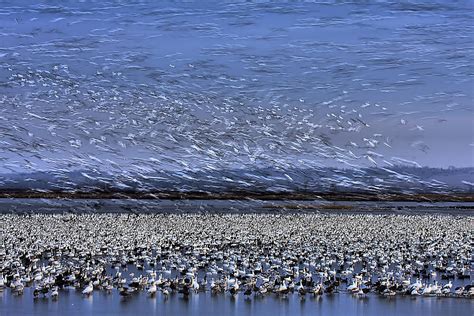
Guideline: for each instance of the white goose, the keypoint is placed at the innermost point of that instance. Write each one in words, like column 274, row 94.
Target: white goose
column 88, row 290
column 354, row 287
column 152, row 289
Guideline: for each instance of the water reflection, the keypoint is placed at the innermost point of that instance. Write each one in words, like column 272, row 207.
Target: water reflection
column 73, row 303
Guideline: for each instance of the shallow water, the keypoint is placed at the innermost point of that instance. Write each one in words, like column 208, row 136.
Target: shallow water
column 73, row 303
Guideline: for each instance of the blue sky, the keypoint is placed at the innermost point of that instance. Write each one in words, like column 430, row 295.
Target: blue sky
column 168, row 86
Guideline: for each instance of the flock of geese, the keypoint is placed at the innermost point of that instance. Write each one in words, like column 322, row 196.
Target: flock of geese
column 237, row 254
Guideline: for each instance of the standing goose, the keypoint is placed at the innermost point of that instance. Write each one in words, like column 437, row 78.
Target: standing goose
column 54, row 293
column 152, row 289
column 88, row 290
column 354, row 287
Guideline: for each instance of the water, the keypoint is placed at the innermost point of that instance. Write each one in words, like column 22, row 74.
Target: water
column 72, row 303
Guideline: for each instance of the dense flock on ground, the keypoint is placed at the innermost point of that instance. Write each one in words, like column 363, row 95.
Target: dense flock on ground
column 237, row 254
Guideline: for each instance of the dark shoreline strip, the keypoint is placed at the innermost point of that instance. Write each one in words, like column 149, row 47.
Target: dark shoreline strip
column 176, row 195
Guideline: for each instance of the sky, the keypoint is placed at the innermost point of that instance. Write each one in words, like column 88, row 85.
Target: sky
column 148, row 86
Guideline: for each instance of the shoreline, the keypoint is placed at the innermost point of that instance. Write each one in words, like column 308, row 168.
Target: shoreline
column 215, row 206
column 264, row 196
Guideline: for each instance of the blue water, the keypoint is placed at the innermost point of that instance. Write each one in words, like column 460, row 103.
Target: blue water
column 73, row 303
